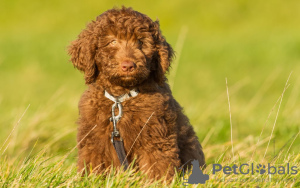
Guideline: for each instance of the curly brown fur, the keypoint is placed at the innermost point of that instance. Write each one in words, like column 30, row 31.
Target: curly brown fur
column 116, row 38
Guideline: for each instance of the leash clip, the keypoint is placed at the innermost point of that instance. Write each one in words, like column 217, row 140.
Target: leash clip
column 115, row 119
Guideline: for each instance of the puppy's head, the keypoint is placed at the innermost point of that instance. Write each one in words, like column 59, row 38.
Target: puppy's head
column 127, row 47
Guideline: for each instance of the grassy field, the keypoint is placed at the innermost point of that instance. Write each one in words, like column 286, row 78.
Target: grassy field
column 254, row 44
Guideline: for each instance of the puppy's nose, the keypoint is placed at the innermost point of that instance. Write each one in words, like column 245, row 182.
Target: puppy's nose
column 127, row 66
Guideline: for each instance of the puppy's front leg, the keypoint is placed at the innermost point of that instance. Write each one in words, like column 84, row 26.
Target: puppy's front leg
column 159, row 157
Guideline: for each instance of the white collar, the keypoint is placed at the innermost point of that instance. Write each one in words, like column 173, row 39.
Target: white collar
column 121, row 98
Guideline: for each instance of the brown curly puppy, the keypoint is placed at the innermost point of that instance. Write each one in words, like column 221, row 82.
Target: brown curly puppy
column 120, row 51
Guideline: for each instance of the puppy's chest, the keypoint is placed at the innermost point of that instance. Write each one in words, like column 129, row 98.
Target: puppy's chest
column 132, row 113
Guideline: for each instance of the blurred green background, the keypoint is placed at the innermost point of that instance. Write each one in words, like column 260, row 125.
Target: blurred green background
column 254, row 44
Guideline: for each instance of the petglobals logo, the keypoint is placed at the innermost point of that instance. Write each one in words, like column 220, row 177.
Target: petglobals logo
column 197, row 176
column 252, row 169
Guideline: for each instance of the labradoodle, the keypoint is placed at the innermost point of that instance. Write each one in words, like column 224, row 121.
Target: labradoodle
column 123, row 53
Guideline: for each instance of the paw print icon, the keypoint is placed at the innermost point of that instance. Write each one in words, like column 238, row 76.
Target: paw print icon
column 261, row 169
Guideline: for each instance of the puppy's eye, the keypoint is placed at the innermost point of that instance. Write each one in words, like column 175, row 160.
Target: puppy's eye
column 113, row 43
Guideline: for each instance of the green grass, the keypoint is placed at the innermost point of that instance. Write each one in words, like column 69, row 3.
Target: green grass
column 254, row 44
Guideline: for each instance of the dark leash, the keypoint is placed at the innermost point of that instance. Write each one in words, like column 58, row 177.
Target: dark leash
column 118, row 143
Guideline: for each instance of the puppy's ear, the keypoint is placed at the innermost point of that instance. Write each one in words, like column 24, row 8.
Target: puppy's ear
column 165, row 54
column 83, row 51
